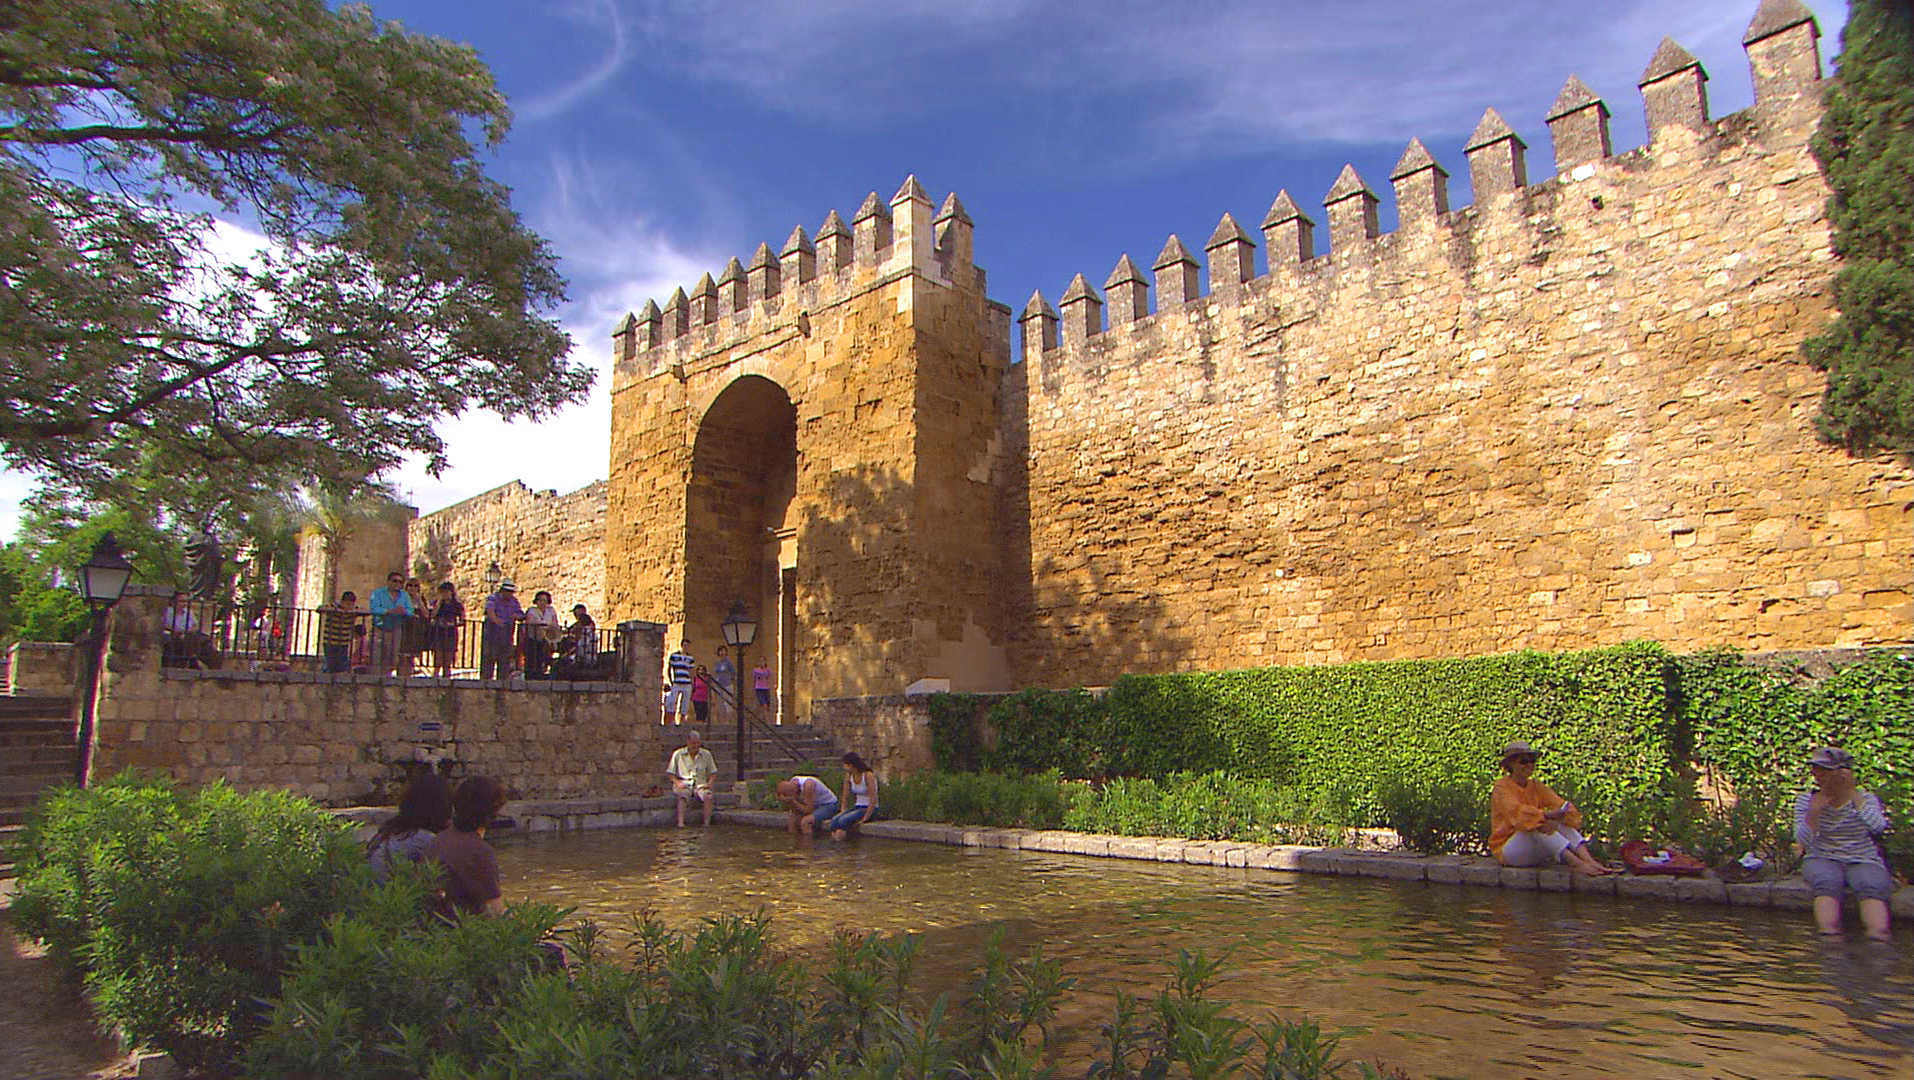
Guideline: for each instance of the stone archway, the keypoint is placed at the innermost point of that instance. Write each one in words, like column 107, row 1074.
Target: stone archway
column 739, row 545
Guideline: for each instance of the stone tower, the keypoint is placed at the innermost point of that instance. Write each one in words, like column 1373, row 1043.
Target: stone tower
column 812, row 437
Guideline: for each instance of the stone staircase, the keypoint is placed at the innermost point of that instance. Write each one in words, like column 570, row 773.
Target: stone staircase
column 771, row 755
column 36, row 753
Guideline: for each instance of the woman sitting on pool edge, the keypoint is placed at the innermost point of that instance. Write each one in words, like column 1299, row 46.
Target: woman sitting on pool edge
column 1837, row 824
column 1529, row 824
column 860, row 794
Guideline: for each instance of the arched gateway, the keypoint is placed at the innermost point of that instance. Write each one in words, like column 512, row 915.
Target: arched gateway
column 815, row 437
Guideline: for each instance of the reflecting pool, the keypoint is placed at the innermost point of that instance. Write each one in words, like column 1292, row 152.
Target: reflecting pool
column 1442, row 980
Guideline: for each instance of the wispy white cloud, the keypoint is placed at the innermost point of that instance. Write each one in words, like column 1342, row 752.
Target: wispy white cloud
column 615, row 259
column 1131, row 86
column 603, row 16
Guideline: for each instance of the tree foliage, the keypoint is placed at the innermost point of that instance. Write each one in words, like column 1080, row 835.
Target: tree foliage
column 144, row 343
column 1866, row 148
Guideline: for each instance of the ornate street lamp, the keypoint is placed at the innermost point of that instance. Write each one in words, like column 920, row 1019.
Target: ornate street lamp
column 102, row 582
column 740, row 630
column 493, row 575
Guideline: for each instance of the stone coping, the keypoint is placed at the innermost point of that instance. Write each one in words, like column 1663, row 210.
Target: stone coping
column 569, row 815
column 1788, row 893
column 416, row 682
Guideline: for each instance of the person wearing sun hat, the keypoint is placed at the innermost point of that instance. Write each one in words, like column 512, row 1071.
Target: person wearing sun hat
column 503, row 613
column 1837, row 824
column 1531, row 825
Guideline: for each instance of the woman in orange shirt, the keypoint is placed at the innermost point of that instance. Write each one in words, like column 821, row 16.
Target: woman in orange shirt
column 1531, row 825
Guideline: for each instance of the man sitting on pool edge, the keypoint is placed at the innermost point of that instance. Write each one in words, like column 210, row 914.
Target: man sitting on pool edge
column 810, row 801
column 691, row 771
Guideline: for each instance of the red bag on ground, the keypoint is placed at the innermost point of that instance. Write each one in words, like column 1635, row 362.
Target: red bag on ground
column 1645, row 859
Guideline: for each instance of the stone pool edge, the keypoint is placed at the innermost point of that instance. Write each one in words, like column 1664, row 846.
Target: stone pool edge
column 1790, row 894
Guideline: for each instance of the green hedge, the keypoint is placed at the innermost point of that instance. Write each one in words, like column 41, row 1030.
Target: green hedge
column 1394, row 743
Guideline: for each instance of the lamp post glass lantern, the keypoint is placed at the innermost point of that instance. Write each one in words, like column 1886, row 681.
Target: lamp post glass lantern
column 493, row 575
column 102, row 582
column 740, row 630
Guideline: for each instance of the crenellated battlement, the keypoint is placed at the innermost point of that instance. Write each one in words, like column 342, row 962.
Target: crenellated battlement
column 884, row 241
column 1784, row 60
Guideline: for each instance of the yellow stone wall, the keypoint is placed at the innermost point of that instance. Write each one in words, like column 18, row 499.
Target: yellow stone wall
column 540, row 540
column 1573, row 416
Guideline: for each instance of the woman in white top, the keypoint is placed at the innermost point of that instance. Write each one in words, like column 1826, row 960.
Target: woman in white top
column 1837, row 824
column 860, row 795
column 541, row 636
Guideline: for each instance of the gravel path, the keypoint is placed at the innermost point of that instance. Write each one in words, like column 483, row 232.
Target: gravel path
column 45, row 1026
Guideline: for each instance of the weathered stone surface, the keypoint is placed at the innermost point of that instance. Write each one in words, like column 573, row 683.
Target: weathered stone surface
column 1521, row 877
column 1555, row 879
column 1902, row 905
column 1645, row 888
column 1791, row 894
column 1702, row 890
column 1596, row 886
column 1751, row 894
column 1482, row 872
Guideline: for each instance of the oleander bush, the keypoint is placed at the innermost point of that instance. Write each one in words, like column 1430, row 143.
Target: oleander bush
column 181, row 907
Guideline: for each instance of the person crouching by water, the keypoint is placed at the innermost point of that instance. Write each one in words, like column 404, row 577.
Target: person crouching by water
column 1529, row 824
column 860, row 794
column 1837, row 825
column 810, row 801
column 425, row 810
column 470, row 883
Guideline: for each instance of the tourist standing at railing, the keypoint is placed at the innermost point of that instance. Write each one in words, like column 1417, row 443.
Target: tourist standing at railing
column 391, row 607
column 541, row 635
column 412, row 643
column 335, row 633
column 679, row 666
column 503, row 613
column 448, row 617
column 761, row 682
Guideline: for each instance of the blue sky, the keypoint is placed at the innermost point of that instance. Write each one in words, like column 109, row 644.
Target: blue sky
column 654, row 140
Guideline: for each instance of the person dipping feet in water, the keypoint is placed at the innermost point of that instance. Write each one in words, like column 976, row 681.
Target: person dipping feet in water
column 692, row 770
column 1837, row 824
column 810, row 801
column 860, row 791
column 1531, row 825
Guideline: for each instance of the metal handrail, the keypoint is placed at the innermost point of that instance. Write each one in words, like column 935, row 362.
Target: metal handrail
column 769, row 729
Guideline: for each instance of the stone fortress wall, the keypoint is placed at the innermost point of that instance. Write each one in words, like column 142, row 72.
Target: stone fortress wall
column 1571, row 414
column 540, row 540
column 1574, row 413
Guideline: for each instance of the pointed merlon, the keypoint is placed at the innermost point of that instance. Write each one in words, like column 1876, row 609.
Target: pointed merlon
column 1348, row 182
column 763, row 257
column 1173, row 253
column 1775, row 16
column 1125, row 273
column 1038, row 308
column 873, row 207
column 952, row 209
column 1575, row 97
column 912, row 191
column 1415, row 159
column 625, row 325
column 1669, row 59
column 1282, row 210
column 1227, row 231
column 799, row 244
column 1079, row 290
column 676, row 299
column 733, row 271
column 648, row 313
column 1492, row 129
column 833, row 226
column 705, row 286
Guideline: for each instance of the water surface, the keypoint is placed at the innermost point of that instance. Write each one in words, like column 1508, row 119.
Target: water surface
column 1443, row 980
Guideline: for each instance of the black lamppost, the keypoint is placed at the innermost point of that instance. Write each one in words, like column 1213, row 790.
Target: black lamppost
column 102, row 582
column 493, row 575
column 740, row 630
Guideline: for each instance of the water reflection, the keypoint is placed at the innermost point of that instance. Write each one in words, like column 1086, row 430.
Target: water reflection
column 1446, row 980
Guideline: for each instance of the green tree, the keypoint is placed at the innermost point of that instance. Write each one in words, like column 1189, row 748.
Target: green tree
column 1866, row 149
column 396, row 287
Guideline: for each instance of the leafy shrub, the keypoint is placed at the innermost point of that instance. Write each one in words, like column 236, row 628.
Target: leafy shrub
column 182, row 907
column 992, row 799
column 1209, row 806
column 1438, row 819
column 1041, row 730
column 956, row 731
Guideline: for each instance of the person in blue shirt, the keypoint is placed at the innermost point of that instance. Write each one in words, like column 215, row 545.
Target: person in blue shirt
column 391, row 607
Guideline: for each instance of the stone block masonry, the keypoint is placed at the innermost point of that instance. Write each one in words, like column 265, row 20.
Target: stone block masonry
column 540, row 540
column 1570, row 415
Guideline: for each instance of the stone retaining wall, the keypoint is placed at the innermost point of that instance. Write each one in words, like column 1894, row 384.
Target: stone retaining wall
column 41, row 668
column 891, row 733
column 342, row 740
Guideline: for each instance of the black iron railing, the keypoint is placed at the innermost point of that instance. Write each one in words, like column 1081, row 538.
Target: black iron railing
column 212, row 634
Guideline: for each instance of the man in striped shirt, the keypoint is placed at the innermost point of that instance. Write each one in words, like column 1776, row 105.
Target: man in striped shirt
column 335, row 633
column 679, row 667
